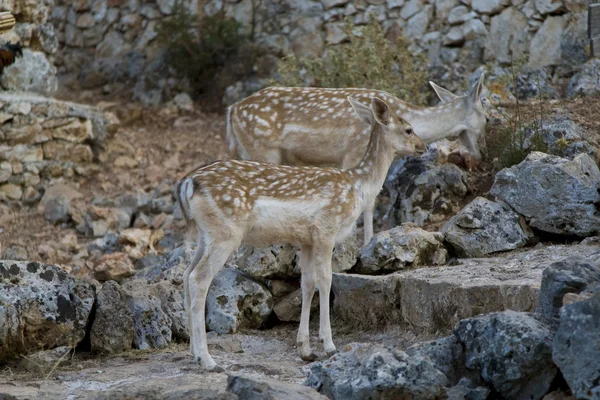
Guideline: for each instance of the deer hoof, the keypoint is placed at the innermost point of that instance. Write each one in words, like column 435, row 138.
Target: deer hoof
column 216, row 369
column 309, row 358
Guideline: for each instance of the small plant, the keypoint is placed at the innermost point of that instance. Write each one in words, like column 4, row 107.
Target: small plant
column 367, row 60
column 210, row 52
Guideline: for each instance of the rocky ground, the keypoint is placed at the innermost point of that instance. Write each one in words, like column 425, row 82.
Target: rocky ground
column 119, row 229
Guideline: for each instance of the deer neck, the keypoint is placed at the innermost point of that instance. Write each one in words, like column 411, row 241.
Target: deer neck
column 444, row 121
column 371, row 172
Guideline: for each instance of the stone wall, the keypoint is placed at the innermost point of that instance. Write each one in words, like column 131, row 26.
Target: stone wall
column 113, row 40
column 43, row 139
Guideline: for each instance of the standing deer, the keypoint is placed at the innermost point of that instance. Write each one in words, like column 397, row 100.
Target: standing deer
column 314, row 126
column 234, row 202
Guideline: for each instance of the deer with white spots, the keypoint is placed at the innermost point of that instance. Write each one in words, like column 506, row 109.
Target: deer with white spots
column 234, row 202
column 315, row 126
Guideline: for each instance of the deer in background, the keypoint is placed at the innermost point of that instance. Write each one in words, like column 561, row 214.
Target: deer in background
column 234, row 202
column 315, row 126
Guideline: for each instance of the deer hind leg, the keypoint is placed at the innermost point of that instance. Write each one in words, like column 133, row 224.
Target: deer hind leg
column 322, row 263
column 368, row 223
column 308, row 290
column 200, row 279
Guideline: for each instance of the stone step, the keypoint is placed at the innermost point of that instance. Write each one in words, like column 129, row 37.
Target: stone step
column 435, row 299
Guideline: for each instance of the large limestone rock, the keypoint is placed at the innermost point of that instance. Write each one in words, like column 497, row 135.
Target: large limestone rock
column 113, row 329
column 508, row 36
column 485, row 227
column 276, row 261
column 554, row 194
column 446, row 354
column 587, row 81
column 41, row 307
column 435, row 299
column 545, row 48
column 369, row 371
column 512, row 352
column 247, row 387
column 32, row 73
column 406, row 246
column 489, row 7
column 577, row 345
column 419, row 191
column 571, row 275
column 235, row 300
column 152, row 326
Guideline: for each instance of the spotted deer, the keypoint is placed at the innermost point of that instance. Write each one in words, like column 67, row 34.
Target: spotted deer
column 315, row 126
column 238, row 202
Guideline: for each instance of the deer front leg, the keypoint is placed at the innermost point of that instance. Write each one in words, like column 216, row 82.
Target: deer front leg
column 322, row 262
column 368, row 223
column 308, row 291
column 199, row 282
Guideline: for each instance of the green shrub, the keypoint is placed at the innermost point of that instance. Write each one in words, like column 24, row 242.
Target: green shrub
column 211, row 53
column 367, row 60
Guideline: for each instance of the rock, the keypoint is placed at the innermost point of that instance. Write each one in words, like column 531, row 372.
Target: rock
column 152, row 327
column 587, row 81
column 138, row 242
column 171, row 269
column 184, row 102
column 345, row 254
column 112, row 330
column 489, row 7
column 252, row 388
column 10, row 191
column 548, row 6
column 56, row 202
column 289, row 307
column 113, row 267
column 406, row 246
column 234, row 300
column 571, row 275
column 577, row 345
column 485, row 227
column 466, row 389
column 512, row 352
column 443, row 8
column 125, row 162
column 44, row 361
column 435, row 299
column 173, row 304
column 421, row 192
column 533, row 84
column 567, row 189
column 417, row 24
column 545, row 48
column 508, row 38
column 369, row 371
column 276, row 261
column 99, row 221
column 411, row 8
column 15, row 252
column 446, row 355
column 41, row 307
column 31, row 73
column 454, row 37
column 460, row 14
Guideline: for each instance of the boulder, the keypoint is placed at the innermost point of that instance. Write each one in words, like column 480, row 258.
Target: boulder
column 370, row 371
column 545, row 48
column 30, row 73
column 406, row 246
column 56, row 202
column 420, row 192
column 577, row 345
column 235, row 300
column 276, row 261
column 113, row 267
column 554, row 194
column 485, row 227
column 466, row 389
column 508, row 37
column 173, row 305
column 587, row 81
column 253, row 388
column 171, row 269
column 289, row 307
column 41, row 307
column 113, row 327
column 512, row 352
column 489, row 7
column 571, row 275
column 345, row 254
column 446, row 355
column 14, row 252
column 152, row 327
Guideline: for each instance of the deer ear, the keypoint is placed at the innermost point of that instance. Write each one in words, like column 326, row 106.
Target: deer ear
column 475, row 92
column 364, row 113
column 444, row 95
column 381, row 111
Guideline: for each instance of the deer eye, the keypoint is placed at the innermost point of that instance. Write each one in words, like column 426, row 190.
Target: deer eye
column 409, row 131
